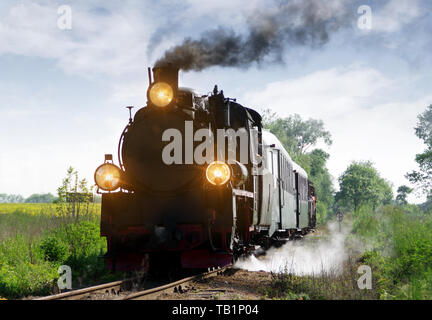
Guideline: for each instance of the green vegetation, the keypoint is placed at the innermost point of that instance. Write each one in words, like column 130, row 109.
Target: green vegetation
column 323, row 184
column 11, row 198
column 402, row 194
column 35, row 239
column 34, row 198
column 361, row 185
column 400, row 235
column 395, row 241
column 28, row 266
column 40, row 198
column 296, row 134
column 391, row 236
column 400, row 239
column 34, row 244
column 423, row 177
column 327, row 286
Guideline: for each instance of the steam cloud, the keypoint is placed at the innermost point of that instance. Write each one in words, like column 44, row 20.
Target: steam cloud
column 270, row 31
column 303, row 257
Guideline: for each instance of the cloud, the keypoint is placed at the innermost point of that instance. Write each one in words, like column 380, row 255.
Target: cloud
column 395, row 14
column 341, row 90
column 362, row 110
column 99, row 42
column 114, row 39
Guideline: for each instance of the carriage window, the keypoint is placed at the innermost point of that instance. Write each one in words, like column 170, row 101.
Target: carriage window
column 272, row 163
column 303, row 188
column 269, row 161
column 283, row 171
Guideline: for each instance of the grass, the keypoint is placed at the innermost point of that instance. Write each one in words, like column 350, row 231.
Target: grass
column 396, row 242
column 33, row 220
column 402, row 256
column 35, row 239
column 328, row 285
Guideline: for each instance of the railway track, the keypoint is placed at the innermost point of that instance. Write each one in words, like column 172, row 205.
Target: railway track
column 177, row 286
column 113, row 289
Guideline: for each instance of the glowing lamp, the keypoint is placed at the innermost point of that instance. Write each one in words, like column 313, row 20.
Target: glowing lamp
column 218, row 173
column 107, row 176
column 161, row 94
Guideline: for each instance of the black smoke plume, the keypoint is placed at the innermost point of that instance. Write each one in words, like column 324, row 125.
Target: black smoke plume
column 270, row 32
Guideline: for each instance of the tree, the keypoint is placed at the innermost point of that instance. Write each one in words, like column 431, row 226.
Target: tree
column 40, row 198
column 11, row 198
column 73, row 195
column 423, row 177
column 297, row 135
column 402, row 194
column 322, row 181
column 361, row 184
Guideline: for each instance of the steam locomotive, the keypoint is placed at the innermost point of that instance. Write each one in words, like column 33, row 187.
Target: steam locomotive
column 179, row 198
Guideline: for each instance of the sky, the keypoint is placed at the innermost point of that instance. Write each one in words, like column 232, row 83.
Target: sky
column 63, row 91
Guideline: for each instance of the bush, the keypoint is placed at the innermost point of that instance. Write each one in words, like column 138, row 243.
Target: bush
column 36, row 244
column 23, row 270
column 402, row 251
column 85, row 246
column 53, row 249
column 26, row 279
column 321, row 212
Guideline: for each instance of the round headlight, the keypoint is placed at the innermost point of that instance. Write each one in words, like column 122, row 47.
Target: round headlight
column 107, row 177
column 218, row 173
column 161, row 94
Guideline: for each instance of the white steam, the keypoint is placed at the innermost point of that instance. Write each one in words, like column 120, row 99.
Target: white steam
column 310, row 256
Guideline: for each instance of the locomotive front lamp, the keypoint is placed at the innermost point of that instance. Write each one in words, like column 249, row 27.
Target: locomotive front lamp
column 108, row 176
column 218, row 173
column 161, row 94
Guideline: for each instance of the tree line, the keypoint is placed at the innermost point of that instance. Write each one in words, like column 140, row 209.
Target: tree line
column 360, row 184
column 34, row 198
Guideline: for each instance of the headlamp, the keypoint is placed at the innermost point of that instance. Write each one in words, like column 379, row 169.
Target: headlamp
column 161, row 94
column 107, row 176
column 218, row 173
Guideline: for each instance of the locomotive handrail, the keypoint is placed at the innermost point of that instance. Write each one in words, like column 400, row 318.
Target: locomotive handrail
column 119, row 147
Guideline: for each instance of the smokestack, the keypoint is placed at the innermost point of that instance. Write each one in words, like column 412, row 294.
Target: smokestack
column 166, row 72
column 270, row 31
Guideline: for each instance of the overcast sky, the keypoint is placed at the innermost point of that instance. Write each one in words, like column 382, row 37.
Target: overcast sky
column 63, row 92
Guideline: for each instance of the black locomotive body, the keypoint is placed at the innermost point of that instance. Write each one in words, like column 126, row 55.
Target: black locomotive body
column 163, row 204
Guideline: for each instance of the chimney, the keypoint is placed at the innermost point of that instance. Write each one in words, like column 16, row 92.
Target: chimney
column 166, row 73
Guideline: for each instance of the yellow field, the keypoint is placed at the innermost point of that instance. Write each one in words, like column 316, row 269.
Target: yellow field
column 41, row 208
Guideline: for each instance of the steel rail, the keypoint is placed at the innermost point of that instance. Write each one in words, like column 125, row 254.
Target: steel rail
column 117, row 286
column 111, row 288
column 173, row 286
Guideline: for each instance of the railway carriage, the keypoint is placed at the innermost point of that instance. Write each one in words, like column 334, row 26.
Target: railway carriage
column 191, row 213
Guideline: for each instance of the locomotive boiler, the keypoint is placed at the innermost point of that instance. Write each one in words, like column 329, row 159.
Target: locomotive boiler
column 198, row 183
